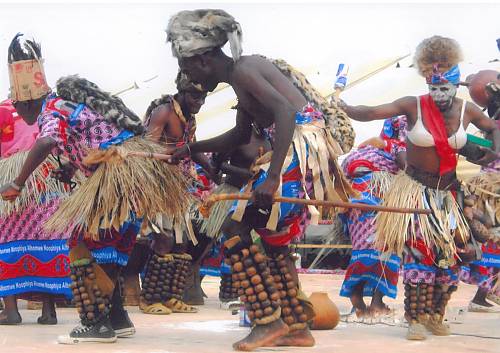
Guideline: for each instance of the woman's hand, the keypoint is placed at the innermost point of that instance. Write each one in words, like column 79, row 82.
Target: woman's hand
column 9, row 192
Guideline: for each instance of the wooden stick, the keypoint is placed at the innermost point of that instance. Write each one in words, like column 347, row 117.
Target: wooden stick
column 209, row 202
column 321, row 246
column 159, row 156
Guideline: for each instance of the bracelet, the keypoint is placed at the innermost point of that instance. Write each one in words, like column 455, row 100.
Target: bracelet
column 15, row 186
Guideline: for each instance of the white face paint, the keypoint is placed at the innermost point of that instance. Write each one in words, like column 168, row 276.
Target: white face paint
column 443, row 94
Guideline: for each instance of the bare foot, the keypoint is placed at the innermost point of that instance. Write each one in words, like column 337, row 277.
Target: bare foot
column 296, row 338
column 360, row 313
column 262, row 335
column 377, row 310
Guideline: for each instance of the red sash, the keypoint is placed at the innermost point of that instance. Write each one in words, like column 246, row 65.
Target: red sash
column 434, row 122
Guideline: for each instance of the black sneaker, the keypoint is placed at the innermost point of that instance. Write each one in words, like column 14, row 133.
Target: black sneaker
column 100, row 332
column 121, row 323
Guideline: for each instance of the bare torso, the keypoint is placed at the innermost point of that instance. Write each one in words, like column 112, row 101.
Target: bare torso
column 166, row 126
column 258, row 66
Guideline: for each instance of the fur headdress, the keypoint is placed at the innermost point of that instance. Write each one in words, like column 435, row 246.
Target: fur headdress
column 80, row 90
column 436, row 59
column 196, row 32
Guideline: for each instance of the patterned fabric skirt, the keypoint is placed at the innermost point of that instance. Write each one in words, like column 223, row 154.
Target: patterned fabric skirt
column 483, row 277
column 420, row 263
column 290, row 220
column 213, row 263
column 484, row 272
column 113, row 246
column 373, row 270
column 33, row 261
column 368, row 266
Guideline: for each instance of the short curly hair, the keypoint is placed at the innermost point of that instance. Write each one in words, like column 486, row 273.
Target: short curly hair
column 436, row 50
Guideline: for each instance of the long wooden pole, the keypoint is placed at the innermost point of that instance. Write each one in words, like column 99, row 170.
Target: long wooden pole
column 208, row 203
column 159, row 156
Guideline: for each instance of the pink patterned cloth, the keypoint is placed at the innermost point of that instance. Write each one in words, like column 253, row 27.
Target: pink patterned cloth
column 28, row 224
column 361, row 229
column 75, row 134
column 15, row 134
column 378, row 160
column 449, row 276
column 421, row 268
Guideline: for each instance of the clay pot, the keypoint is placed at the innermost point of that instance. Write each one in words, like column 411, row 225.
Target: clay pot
column 477, row 84
column 327, row 314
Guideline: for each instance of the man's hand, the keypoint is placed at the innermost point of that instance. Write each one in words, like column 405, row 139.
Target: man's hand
column 9, row 192
column 64, row 174
column 179, row 154
column 263, row 195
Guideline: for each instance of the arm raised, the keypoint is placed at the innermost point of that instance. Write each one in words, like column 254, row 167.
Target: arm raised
column 400, row 106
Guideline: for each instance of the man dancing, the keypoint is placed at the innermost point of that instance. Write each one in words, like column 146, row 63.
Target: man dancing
column 302, row 150
column 171, row 120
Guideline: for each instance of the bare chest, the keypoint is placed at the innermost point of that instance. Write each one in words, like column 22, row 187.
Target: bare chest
column 254, row 109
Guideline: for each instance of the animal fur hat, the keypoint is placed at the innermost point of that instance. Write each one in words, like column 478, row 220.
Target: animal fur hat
column 196, row 32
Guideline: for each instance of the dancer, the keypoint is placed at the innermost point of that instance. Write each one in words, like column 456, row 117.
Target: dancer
column 371, row 168
column 302, row 148
column 171, row 120
column 34, row 264
column 436, row 130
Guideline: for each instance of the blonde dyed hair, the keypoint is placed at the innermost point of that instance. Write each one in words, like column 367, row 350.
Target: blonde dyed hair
column 436, row 50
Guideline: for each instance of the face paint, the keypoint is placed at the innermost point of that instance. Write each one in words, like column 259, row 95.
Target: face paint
column 443, row 94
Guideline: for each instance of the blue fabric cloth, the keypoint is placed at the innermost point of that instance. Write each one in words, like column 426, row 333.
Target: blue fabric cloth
column 366, row 267
column 451, row 76
column 41, row 266
column 117, row 140
column 110, row 255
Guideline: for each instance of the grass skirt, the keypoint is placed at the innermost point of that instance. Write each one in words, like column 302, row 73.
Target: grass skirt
column 123, row 187
column 437, row 231
column 38, row 188
column 211, row 226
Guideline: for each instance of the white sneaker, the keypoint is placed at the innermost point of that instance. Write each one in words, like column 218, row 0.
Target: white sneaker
column 232, row 305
